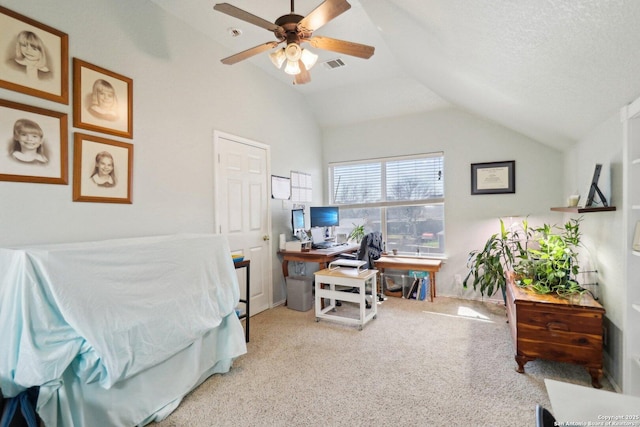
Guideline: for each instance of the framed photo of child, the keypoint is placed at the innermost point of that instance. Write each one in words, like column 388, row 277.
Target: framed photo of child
column 33, row 144
column 102, row 100
column 34, row 58
column 102, row 170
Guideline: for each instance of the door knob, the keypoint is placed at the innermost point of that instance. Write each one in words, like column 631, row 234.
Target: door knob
column 265, row 237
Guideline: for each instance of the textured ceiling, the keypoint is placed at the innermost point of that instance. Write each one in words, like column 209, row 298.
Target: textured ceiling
column 550, row 69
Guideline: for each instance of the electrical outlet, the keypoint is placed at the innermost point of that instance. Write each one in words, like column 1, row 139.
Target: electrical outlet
column 458, row 279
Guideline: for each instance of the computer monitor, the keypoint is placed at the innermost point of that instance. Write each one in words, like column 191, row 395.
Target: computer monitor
column 297, row 220
column 324, row 216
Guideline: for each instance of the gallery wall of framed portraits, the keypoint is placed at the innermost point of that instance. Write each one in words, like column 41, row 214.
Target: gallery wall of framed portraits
column 34, row 140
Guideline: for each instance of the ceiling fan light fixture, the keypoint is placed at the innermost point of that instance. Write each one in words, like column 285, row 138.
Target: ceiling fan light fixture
column 293, row 29
column 278, row 57
column 308, row 58
column 293, row 52
column 292, row 68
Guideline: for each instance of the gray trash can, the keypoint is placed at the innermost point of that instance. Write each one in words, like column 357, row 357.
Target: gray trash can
column 299, row 293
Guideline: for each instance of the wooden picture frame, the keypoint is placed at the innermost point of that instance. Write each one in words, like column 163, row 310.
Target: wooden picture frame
column 34, row 58
column 493, row 177
column 33, row 144
column 102, row 170
column 102, row 100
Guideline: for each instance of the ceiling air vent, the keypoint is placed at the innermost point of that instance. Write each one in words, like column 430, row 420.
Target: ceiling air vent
column 335, row 63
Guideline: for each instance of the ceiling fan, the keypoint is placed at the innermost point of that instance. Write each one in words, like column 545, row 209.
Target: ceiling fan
column 293, row 30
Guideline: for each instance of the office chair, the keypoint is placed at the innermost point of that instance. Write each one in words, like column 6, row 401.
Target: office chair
column 544, row 418
column 369, row 251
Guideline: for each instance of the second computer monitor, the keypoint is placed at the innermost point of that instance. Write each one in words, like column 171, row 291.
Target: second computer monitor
column 324, row 216
column 297, row 220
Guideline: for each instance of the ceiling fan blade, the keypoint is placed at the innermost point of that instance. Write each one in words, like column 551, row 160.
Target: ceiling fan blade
column 248, row 53
column 246, row 16
column 303, row 77
column 322, row 14
column 342, row 46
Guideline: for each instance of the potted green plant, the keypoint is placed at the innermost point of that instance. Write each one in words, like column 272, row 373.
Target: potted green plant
column 488, row 266
column 552, row 265
column 543, row 259
column 357, row 233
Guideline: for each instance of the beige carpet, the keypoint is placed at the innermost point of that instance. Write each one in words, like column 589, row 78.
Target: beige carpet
column 446, row 363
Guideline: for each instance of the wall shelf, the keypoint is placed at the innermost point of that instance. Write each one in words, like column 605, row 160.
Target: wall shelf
column 636, row 253
column 579, row 209
column 636, row 307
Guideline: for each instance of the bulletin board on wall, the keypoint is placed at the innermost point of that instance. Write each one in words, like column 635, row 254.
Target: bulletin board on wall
column 301, row 187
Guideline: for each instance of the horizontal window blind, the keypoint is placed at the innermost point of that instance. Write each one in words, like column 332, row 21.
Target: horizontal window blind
column 399, row 179
column 416, row 179
column 357, row 183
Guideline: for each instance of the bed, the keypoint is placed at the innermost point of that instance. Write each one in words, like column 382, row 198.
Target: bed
column 117, row 332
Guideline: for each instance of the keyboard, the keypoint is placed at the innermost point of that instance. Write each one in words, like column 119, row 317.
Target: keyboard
column 323, row 245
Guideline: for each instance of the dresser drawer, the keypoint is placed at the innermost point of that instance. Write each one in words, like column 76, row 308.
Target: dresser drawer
column 581, row 355
column 553, row 320
column 554, row 335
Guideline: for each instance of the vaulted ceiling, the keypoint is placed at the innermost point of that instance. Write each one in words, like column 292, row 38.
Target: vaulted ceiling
column 549, row 69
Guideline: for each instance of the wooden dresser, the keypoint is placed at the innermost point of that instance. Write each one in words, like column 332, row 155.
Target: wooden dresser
column 548, row 327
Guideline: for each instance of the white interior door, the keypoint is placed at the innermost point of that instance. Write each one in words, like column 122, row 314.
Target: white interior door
column 242, row 209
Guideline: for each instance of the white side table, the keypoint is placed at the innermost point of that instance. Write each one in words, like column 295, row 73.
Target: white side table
column 351, row 277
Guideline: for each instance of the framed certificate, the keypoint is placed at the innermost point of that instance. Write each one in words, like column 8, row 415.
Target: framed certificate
column 493, row 177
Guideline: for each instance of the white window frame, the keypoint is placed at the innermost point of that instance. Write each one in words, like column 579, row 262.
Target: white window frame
column 384, row 203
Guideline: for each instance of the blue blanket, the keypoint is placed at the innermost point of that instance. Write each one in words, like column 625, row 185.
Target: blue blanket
column 100, row 313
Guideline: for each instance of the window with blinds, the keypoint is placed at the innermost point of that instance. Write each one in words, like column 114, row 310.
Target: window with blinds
column 392, row 179
column 403, row 197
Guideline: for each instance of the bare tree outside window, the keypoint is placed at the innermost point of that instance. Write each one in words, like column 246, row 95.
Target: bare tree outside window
column 402, row 197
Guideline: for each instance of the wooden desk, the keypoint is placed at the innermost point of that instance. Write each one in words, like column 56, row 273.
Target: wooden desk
column 411, row 263
column 322, row 256
column 580, row 405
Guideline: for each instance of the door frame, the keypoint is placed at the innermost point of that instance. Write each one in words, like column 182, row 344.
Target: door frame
column 217, row 135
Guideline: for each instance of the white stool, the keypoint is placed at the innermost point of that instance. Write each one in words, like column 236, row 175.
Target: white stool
column 350, row 277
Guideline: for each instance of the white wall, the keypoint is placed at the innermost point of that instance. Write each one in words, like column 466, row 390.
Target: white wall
column 603, row 232
column 181, row 94
column 465, row 139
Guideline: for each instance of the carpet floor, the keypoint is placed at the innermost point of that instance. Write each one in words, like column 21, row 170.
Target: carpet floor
column 443, row 363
